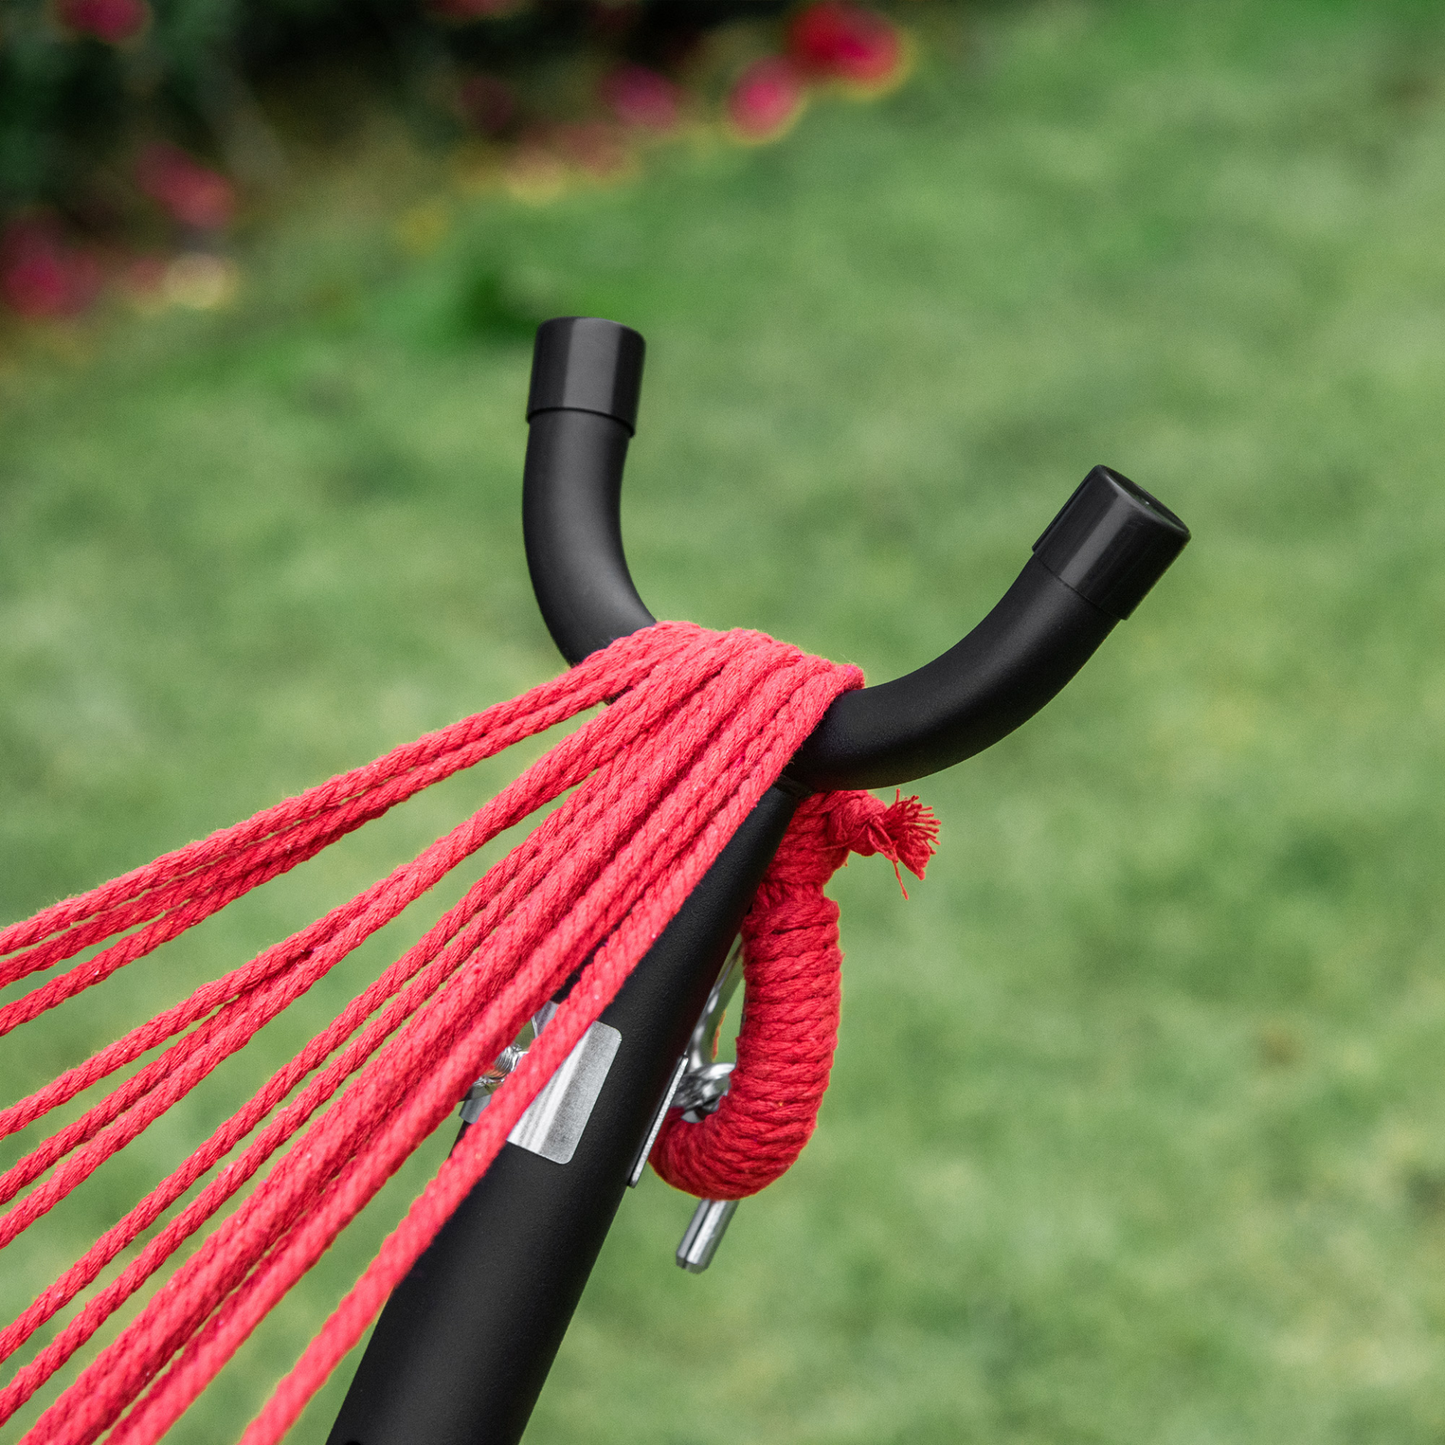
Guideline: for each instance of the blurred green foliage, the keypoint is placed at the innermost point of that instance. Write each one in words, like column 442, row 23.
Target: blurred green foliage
column 84, row 84
column 1135, row 1130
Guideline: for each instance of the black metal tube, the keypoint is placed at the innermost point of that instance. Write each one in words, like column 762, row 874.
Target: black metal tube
column 1037, row 637
column 581, row 413
column 461, row 1350
column 571, row 486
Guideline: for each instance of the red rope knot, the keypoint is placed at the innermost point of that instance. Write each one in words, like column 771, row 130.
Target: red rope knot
column 792, row 976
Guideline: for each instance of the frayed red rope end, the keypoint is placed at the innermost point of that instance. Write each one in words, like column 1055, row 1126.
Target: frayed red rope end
column 904, row 831
column 913, row 826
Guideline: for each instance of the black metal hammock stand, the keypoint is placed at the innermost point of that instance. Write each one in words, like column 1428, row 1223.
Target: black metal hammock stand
column 624, row 1016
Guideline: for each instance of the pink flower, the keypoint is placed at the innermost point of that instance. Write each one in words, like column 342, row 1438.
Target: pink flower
column 765, row 99
column 838, row 41
column 488, row 104
column 41, row 274
column 194, row 194
column 113, row 21
column 642, row 98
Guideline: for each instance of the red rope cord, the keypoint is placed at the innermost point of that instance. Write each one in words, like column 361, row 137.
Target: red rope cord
column 792, row 974
column 701, row 724
column 560, row 769
column 592, row 681
column 408, row 1081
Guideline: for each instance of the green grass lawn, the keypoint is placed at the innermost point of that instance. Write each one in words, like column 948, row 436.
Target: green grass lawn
column 1137, row 1130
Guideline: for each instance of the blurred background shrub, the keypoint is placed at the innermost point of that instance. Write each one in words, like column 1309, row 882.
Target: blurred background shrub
column 130, row 128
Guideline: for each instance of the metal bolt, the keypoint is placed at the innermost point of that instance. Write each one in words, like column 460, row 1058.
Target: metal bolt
column 709, row 1223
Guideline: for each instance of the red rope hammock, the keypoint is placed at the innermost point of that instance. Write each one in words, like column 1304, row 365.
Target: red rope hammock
column 700, row 725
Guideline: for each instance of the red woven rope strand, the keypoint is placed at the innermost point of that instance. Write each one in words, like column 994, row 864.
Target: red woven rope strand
column 792, row 971
column 406, row 1081
column 562, row 768
column 370, row 910
column 701, row 724
column 592, row 681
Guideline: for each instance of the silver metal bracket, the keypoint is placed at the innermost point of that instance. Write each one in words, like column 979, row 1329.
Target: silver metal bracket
column 554, row 1121
column 699, row 1091
column 634, row 1175
column 704, row 1081
column 697, row 1083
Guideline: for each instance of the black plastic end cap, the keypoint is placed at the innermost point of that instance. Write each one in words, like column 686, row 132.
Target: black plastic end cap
column 1111, row 542
column 582, row 363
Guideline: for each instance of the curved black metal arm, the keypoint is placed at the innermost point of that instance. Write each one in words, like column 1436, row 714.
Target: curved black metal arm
column 1094, row 563
column 570, row 493
column 581, row 409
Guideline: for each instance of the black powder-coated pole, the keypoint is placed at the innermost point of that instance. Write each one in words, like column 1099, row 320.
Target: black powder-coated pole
column 463, row 1346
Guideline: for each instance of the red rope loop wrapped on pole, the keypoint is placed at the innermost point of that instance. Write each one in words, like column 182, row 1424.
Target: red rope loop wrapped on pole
column 792, row 977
